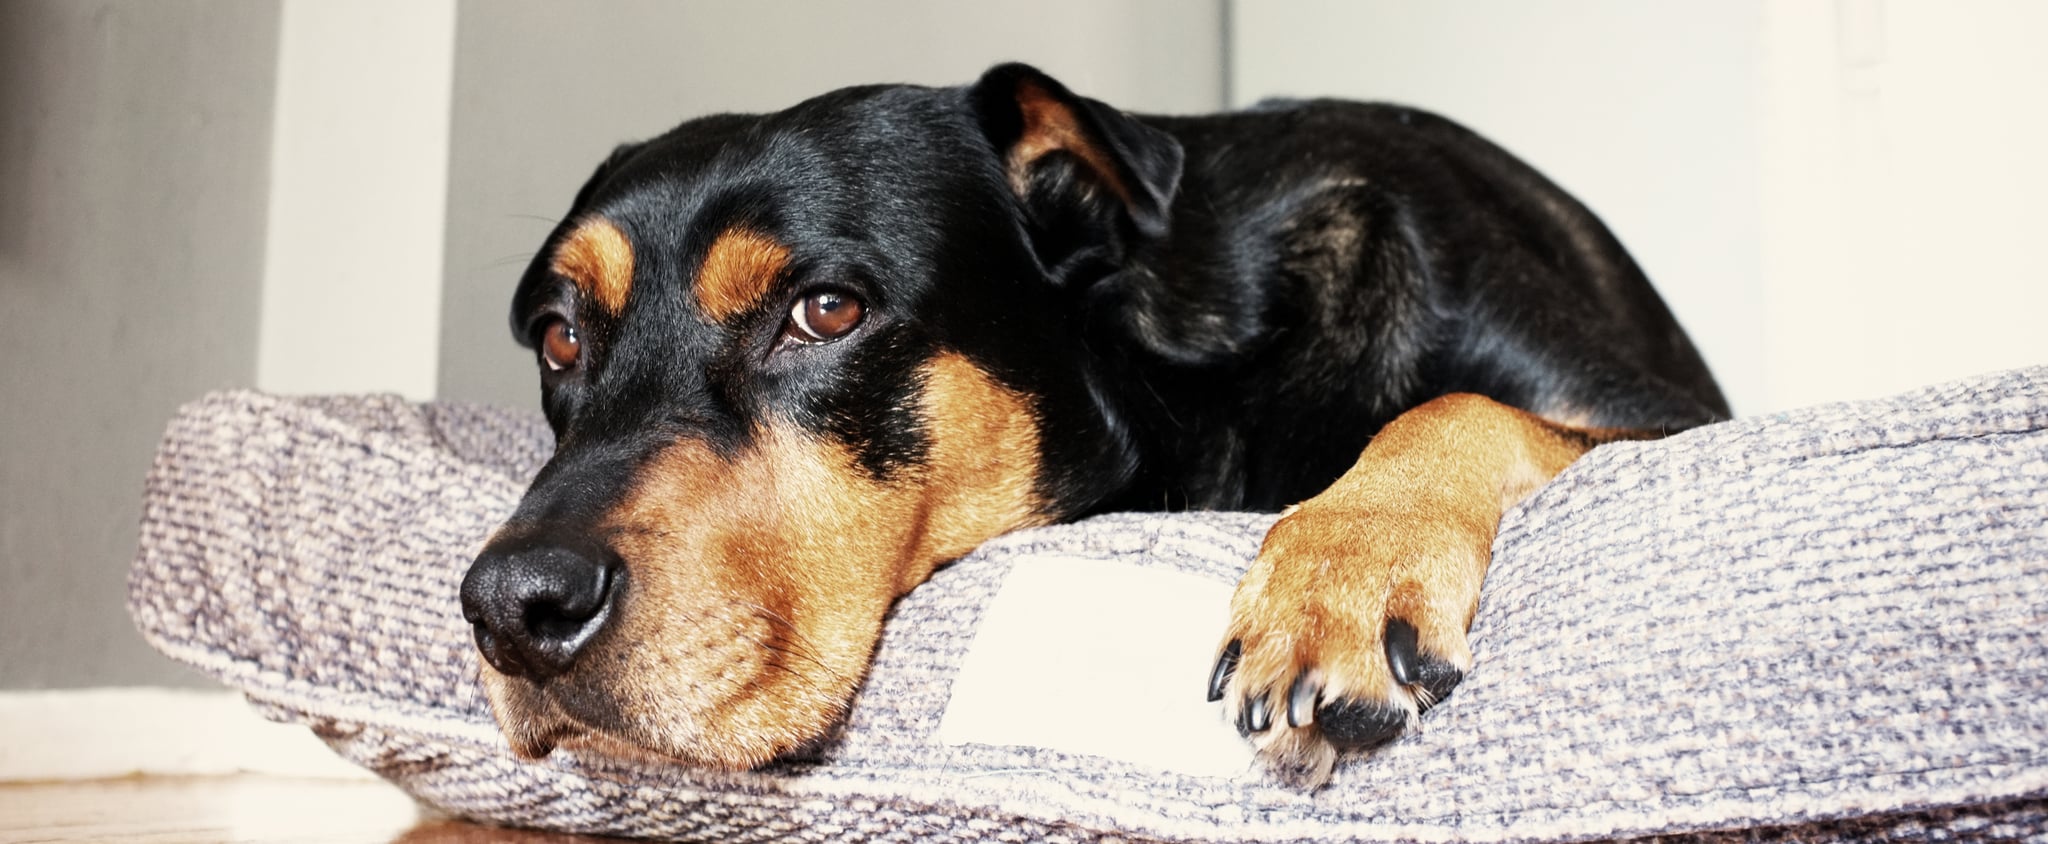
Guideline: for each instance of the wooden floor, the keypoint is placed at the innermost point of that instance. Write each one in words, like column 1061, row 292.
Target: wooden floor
column 174, row 810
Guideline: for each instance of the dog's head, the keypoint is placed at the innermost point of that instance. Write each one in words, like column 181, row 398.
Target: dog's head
column 793, row 363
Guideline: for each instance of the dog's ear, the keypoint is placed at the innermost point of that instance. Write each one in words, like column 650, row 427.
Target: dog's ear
column 1073, row 160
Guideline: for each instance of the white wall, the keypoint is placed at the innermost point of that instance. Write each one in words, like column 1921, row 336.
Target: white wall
column 1834, row 198
column 1903, row 186
column 358, row 187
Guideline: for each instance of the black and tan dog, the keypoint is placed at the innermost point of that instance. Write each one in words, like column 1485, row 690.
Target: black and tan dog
column 796, row 361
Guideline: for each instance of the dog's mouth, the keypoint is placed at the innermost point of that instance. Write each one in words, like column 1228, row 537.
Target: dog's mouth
column 732, row 686
column 724, row 610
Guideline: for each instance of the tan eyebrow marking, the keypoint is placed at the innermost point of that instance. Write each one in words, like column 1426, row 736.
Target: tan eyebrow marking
column 740, row 269
column 599, row 259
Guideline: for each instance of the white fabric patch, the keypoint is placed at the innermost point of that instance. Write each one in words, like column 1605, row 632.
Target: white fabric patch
column 1099, row 657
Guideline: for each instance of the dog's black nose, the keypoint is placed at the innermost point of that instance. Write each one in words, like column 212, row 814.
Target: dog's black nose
column 535, row 605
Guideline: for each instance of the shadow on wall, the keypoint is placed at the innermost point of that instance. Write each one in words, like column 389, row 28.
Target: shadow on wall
column 134, row 140
column 18, row 57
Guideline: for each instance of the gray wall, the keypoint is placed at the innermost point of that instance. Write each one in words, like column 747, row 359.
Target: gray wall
column 134, row 140
column 543, row 90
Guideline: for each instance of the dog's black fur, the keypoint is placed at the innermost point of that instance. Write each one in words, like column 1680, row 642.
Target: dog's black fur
column 1291, row 278
column 1207, row 312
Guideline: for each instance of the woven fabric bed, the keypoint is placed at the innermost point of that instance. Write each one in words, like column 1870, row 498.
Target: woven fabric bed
column 1830, row 624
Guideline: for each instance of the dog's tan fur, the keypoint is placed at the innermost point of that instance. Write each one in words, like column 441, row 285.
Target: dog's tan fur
column 1406, row 533
column 598, row 259
column 739, row 270
column 758, row 581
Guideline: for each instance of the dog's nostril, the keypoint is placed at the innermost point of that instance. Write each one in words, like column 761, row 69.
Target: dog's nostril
column 535, row 606
column 505, row 661
column 564, row 613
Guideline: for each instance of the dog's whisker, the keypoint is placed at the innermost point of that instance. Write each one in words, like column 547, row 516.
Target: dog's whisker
column 774, row 663
column 798, row 645
column 510, row 260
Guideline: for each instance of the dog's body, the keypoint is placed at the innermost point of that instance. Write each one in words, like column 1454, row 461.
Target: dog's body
column 795, row 361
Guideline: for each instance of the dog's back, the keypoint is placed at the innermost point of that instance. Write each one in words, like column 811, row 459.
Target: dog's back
column 1332, row 264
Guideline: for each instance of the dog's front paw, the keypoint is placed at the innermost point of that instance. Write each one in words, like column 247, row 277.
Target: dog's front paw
column 1349, row 625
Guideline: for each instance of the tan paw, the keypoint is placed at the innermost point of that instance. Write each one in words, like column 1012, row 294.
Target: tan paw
column 1349, row 626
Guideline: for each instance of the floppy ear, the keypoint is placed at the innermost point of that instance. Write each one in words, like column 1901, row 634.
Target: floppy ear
column 1060, row 151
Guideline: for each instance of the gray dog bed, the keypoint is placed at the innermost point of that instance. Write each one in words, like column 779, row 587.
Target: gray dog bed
column 1825, row 624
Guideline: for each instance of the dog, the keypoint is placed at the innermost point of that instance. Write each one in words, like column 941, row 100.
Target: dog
column 794, row 362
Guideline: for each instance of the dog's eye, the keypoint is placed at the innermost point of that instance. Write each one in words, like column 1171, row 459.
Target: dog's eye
column 559, row 346
column 823, row 317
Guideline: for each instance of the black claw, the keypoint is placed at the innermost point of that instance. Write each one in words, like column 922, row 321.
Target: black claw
column 1226, row 665
column 1413, row 667
column 1255, row 717
column 1301, row 702
column 1353, row 724
column 1401, row 655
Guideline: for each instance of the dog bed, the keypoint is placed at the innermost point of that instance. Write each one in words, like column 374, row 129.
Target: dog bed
column 1818, row 625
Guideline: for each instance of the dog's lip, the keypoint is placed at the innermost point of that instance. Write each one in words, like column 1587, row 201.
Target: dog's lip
column 534, row 745
column 574, row 736
column 547, row 723
column 554, row 729
column 529, row 719
column 578, row 711
column 530, row 716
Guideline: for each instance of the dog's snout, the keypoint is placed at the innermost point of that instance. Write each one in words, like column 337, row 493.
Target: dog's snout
column 535, row 606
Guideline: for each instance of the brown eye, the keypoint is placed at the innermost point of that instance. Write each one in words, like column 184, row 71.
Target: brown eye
column 559, row 346
column 823, row 317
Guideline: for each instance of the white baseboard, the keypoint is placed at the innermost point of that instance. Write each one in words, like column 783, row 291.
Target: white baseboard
column 98, row 733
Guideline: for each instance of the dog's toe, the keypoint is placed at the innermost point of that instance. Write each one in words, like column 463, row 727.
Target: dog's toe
column 1332, row 648
column 1353, row 724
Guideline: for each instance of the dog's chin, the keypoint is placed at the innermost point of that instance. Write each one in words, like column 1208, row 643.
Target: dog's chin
column 582, row 739
column 538, row 720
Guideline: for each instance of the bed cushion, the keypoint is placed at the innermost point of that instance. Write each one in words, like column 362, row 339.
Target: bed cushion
column 1824, row 624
